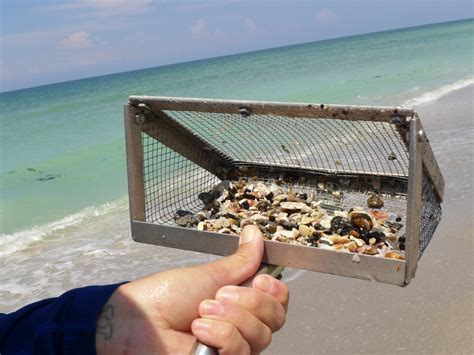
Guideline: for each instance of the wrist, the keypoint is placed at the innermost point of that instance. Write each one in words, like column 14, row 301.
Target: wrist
column 108, row 333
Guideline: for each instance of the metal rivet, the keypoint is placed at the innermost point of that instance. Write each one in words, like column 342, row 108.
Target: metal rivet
column 244, row 111
column 143, row 106
column 140, row 118
column 396, row 120
column 420, row 135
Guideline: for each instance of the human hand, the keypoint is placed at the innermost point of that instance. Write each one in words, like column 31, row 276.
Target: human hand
column 167, row 312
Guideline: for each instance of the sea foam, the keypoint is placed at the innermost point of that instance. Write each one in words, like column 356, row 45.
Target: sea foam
column 431, row 96
column 10, row 243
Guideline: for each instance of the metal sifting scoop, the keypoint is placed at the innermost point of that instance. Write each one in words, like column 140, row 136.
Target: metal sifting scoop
column 178, row 148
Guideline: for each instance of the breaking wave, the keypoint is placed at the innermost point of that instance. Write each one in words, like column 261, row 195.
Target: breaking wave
column 10, row 243
column 431, row 96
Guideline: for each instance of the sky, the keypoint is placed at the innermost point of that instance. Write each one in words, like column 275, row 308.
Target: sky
column 50, row 41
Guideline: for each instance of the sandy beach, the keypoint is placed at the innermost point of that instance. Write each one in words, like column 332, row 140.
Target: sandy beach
column 434, row 313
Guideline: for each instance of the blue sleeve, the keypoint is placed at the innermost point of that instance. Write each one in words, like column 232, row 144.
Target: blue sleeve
column 62, row 325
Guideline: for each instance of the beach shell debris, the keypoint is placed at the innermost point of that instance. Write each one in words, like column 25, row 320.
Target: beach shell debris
column 374, row 201
column 296, row 217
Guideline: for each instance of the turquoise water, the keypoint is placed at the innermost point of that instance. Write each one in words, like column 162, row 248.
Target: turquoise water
column 62, row 145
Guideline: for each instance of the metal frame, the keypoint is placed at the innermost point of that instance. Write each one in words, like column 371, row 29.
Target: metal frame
column 365, row 113
column 429, row 161
column 338, row 263
column 134, row 151
column 398, row 115
column 414, row 200
column 192, row 147
column 180, row 139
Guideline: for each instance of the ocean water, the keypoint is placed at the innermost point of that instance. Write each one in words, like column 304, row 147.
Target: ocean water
column 62, row 165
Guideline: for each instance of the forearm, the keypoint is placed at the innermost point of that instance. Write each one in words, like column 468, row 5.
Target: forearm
column 66, row 324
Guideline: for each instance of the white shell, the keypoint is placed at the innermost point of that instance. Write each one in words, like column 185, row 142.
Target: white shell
column 294, row 206
column 326, row 222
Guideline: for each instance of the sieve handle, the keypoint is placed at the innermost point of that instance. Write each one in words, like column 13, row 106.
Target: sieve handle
column 272, row 270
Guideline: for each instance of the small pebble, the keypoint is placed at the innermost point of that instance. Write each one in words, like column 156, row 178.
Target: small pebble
column 374, row 201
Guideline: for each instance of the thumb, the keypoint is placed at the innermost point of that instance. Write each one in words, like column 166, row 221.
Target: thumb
column 238, row 267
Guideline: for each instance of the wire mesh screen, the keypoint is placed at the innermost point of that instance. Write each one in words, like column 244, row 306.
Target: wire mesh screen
column 326, row 145
column 334, row 146
column 172, row 182
column 430, row 213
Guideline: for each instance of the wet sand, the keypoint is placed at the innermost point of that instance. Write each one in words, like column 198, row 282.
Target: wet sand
column 434, row 313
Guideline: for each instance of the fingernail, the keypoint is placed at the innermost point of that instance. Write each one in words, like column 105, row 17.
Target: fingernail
column 201, row 324
column 263, row 283
column 211, row 307
column 248, row 234
column 227, row 295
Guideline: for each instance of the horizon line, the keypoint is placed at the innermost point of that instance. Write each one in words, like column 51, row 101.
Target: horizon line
column 235, row 54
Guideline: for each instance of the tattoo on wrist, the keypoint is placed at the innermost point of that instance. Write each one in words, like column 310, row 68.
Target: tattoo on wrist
column 104, row 322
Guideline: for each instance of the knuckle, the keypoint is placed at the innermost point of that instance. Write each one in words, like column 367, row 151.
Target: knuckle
column 244, row 349
column 255, row 301
column 285, row 292
column 263, row 341
column 216, row 272
column 239, row 315
column 280, row 317
column 266, row 338
column 223, row 294
column 229, row 332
